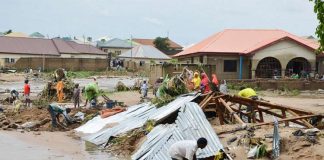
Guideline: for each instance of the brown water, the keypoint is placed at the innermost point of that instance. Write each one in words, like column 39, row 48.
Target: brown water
column 47, row 145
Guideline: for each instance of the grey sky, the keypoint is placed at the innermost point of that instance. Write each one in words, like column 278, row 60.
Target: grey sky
column 187, row 21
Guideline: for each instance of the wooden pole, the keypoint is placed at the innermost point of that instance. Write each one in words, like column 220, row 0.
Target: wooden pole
column 260, row 113
column 304, row 121
column 219, row 111
column 237, row 118
column 284, row 116
column 287, row 119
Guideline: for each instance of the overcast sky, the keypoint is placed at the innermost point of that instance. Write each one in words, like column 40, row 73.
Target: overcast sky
column 186, row 21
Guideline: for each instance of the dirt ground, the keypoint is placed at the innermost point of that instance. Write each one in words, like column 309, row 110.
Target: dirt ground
column 63, row 145
column 292, row 147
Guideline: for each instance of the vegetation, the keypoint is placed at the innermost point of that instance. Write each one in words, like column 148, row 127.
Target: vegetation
column 319, row 10
column 162, row 43
column 81, row 74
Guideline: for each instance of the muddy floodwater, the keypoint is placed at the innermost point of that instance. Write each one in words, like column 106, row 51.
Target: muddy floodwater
column 37, row 85
column 47, row 145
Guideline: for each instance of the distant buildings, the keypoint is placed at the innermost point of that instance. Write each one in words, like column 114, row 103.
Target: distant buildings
column 174, row 47
column 14, row 48
column 114, row 46
column 244, row 54
column 145, row 54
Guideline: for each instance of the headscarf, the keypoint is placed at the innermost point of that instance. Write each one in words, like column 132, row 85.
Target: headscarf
column 214, row 80
column 196, row 80
column 205, row 82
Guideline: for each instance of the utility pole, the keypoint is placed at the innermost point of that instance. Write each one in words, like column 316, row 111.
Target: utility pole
column 131, row 43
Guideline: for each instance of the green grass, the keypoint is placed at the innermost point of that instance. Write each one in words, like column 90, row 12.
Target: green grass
column 82, row 74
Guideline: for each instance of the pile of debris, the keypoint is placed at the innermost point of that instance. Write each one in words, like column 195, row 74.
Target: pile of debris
column 49, row 93
column 25, row 120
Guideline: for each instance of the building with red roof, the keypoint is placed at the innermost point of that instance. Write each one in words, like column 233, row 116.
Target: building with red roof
column 252, row 53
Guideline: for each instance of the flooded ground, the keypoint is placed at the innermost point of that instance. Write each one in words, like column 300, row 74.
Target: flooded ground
column 37, row 85
column 47, row 145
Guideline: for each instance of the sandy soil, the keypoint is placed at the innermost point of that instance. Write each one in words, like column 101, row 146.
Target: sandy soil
column 291, row 147
column 314, row 105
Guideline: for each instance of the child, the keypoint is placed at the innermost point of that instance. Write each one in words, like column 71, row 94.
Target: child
column 76, row 96
column 27, row 93
column 144, row 89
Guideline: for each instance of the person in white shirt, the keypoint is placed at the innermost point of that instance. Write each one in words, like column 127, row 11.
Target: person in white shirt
column 186, row 149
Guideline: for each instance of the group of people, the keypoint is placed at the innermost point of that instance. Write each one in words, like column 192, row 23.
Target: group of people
column 201, row 82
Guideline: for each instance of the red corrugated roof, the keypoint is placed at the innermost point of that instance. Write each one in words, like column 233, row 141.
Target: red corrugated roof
column 243, row 41
column 56, row 46
column 150, row 43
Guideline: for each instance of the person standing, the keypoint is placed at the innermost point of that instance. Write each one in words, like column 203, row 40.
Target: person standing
column 196, row 81
column 223, row 87
column 27, row 93
column 144, row 89
column 214, row 83
column 59, row 91
column 76, row 96
column 204, row 83
column 186, row 149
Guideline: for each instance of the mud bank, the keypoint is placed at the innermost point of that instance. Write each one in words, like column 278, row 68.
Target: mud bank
column 47, row 145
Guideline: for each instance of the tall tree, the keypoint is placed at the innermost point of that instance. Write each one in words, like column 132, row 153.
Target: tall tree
column 162, row 43
column 319, row 10
column 7, row 32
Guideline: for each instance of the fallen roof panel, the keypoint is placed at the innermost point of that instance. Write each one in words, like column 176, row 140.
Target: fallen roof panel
column 191, row 124
column 149, row 112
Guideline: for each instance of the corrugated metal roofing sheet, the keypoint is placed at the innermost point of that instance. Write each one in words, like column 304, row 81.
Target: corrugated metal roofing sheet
column 144, row 51
column 191, row 124
column 98, row 123
column 115, row 43
column 148, row 112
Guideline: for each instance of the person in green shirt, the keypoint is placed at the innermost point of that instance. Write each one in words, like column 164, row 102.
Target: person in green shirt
column 55, row 111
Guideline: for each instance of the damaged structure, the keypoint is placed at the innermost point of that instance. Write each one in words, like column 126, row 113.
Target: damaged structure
column 190, row 123
column 228, row 109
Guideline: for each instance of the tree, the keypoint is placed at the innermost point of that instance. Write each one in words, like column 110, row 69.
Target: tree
column 319, row 10
column 162, row 43
column 7, row 32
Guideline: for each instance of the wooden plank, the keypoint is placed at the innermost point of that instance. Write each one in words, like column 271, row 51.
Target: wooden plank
column 260, row 113
column 304, row 121
column 206, row 100
column 237, row 118
column 287, row 119
column 271, row 113
column 284, row 116
column 266, row 104
column 219, row 111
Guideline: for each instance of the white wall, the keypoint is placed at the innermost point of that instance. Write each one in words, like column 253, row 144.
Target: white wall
column 284, row 51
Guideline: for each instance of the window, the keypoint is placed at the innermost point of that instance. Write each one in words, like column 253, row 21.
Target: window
column 117, row 52
column 201, row 59
column 105, row 50
column 192, row 60
column 9, row 60
column 230, row 65
column 142, row 63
